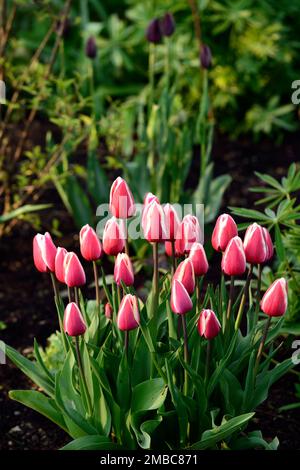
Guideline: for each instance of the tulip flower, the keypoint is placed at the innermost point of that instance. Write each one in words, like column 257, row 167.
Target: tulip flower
column 208, row 324
column 74, row 272
column 123, row 270
column 90, row 245
column 225, row 229
column 149, row 197
column 274, row 304
column 91, row 48
column 113, row 238
column 172, row 221
column 198, row 257
column 234, row 259
column 121, row 202
column 128, row 315
column 269, row 243
column 153, row 33
column 275, row 300
column 59, row 264
column 108, row 311
column 205, row 56
column 209, row 327
column 185, row 274
column 181, row 302
column 153, row 222
column 167, row 24
column 74, row 324
column 255, row 244
column 169, row 250
column 44, row 252
column 188, row 232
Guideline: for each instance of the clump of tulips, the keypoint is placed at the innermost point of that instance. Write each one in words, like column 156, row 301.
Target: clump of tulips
column 184, row 368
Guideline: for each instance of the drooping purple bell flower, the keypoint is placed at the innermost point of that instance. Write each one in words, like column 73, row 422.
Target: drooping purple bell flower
column 91, row 48
column 153, row 33
column 205, row 56
column 167, row 24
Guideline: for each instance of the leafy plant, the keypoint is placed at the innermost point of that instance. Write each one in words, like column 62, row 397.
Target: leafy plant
column 154, row 387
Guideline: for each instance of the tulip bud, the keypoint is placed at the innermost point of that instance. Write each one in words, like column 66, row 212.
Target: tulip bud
column 91, row 48
column 167, row 24
column 74, row 324
column 275, row 300
column 74, row 272
column 149, row 198
column 59, row 264
column 113, row 237
column 198, row 258
column 108, row 311
column 270, row 246
column 153, row 223
column 234, row 259
column 90, row 246
column 128, row 315
column 185, row 274
column 121, row 202
column 180, row 300
column 188, row 233
column 225, row 229
column 168, row 249
column 208, row 324
column 255, row 245
column 172, row 221
column 153, row 33
column 205, row 56
column 123, row 270
column 44, row 252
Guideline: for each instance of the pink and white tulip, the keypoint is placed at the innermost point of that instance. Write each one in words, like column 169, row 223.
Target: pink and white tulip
column 121, row 202
column 153, row 223
column 44, row 252
column 74, row 273
column 255, row 244
column 225, row 229
column 74, row 324
column 123, row 270
column 185, row 274
column 113, row 237
column 198, row 257
column 90, row 245
column 59, row 264
column 128, row 315
column 234, row 258
column 181, row 302
column 208, row 324
column 275, row 300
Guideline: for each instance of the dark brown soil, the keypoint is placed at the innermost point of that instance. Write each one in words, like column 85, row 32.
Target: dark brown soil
column 21, row 428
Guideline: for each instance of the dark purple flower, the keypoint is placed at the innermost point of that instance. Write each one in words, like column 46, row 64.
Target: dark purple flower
column 205, row 56
column 91, row 48
column 167, row 24
column 63, row 27
column 153, row 33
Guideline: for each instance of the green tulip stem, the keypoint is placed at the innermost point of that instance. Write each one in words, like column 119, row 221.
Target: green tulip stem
column 173, row 257
column 57, row 299
column 155, row 282
column 207, row 363
column 96, row 277
column 259, row 273
column 126, row 341
column 230, row 301
column 76, row 297
column 69, row 295
column 261, row 346
column 186, row 352
column 81, row 371
column 243, row 300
